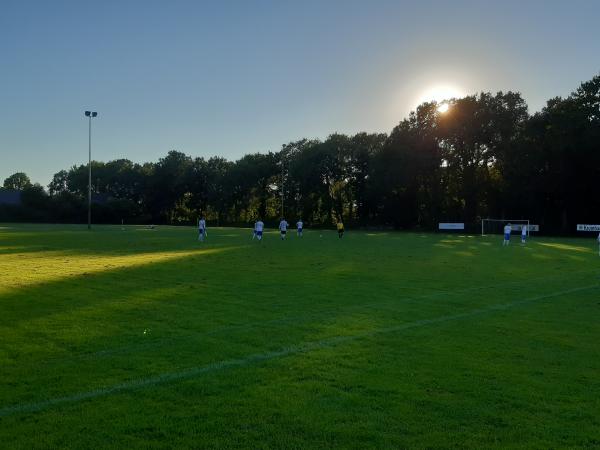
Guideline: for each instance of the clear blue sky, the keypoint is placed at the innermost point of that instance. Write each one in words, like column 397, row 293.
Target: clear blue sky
column 233, row 77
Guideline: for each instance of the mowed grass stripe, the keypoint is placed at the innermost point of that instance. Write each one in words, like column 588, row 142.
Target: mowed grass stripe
column 388, row 305
column 261, row 357
column 292, row 344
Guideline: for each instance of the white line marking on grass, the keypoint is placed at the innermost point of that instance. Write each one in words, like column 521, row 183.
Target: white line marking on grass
column 266, row 356
column 296, row 319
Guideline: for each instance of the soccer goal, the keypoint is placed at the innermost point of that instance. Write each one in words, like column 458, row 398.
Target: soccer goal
column 496, row 226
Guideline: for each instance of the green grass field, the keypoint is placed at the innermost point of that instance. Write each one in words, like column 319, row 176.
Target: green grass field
column 149, row 339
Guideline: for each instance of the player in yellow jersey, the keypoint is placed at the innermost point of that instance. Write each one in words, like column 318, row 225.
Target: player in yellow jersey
column 340, row 228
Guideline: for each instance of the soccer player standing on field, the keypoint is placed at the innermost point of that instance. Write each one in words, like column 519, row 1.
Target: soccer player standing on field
column 299, row 225
column 258, row 229
column 523, row 234
column 202, row 229
column 507, row 230
column 340, row 228
column 283, row 228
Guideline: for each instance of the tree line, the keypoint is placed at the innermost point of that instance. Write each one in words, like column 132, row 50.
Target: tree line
column 483, row 157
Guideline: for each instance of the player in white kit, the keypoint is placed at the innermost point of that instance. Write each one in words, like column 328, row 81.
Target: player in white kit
column 258, row 229
column 507, row 231
column 202, row 229
column 523, row 234
column 299, row 226
column 283, row 228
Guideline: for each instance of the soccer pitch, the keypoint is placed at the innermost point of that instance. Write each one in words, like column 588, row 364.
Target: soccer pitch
column 148, row 338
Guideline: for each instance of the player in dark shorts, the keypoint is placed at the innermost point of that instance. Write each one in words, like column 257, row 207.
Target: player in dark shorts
column 340, row 229
column 283, row 228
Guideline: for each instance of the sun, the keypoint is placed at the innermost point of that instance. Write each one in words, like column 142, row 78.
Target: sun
column 440, row 93
column 444, row 107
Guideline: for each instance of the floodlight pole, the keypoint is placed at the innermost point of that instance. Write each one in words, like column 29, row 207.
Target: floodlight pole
column 90, row 173
column 89, row 115
column 282, row 186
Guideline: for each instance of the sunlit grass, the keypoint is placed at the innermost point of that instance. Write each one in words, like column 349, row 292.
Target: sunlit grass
column 39, row 267
column 148, row 338
column 572, row 248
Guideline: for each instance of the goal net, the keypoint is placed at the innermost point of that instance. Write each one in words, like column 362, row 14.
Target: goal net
column 496, row 226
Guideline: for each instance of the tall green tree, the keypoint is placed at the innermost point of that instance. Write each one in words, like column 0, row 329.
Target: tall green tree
column 484, row 156
column 409, row 170
column 17, row 181
column 474, row 136
column 559, row 161
column 59, row 183
column 167, row 187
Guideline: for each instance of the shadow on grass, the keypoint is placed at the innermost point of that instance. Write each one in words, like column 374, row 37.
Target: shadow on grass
column 191, row 294
column 198, row 292
column 110, row 240
column 99, row 280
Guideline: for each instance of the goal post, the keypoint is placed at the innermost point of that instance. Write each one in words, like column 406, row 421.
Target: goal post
column 496, row 226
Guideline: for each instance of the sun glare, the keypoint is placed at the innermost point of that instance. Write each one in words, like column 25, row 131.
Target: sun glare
column 443, row 107
column 439, row 93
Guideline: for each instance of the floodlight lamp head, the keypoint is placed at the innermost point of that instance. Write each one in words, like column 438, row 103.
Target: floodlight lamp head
column 94, row 114
column 87, row 113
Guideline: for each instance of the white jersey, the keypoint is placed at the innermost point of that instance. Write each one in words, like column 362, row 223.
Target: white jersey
column 202, row 224
column 258, row 226
column 598, row 238
column 283, row 225
column 524, row 230
column 507, row 229
column 299, row 224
